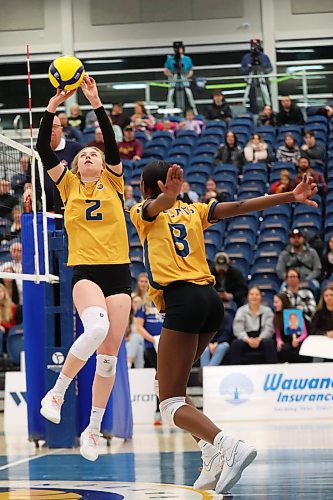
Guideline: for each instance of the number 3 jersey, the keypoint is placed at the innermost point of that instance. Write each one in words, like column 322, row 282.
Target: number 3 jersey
column 173, row 243
column 94, row 219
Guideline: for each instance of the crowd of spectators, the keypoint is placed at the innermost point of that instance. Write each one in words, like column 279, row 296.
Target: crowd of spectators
column 252, row 330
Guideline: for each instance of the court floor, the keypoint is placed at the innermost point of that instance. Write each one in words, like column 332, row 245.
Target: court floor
column 294, row 462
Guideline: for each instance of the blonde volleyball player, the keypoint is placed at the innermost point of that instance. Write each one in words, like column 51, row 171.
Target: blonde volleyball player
column 92, row 192
column 181, row 284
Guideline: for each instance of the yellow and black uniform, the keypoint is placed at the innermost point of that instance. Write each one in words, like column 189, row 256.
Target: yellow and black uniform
column 94, row 215
column 179, row 277
column 94, row 219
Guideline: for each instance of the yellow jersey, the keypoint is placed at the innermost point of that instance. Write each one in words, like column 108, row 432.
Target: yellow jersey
column 174, row 247
column 94, row 219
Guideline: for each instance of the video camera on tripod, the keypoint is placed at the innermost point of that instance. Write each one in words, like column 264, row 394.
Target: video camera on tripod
column 177, row 46
column 255, row 51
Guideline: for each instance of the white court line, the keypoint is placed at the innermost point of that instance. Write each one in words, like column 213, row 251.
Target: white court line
column 29, row 459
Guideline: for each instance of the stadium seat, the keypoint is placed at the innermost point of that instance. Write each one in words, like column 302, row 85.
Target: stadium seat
column 186, row 133
column 278, row 210
column 142, row 137
column 179, row 159
column 203, row 168
column 216, row 124
column 154, row 152
column 213, row 238
column 218, row 131
column 244, row 249
column 206, row 150
column 255, row 167
column 180, row 149
column 275, row 221
column 209, row 140
column 136, row 268
column 239, row 261
column 162, row 138
column 136, row 254
column 211, row 251
column 184, row 141
column 234, row 236
column 273, row 235
column 195, row 177
column 208, row 160
column 225, row 167
column 15, row 344
column 244, row 222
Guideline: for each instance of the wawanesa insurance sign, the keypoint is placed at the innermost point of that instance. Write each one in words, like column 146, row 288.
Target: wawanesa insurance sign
column 261, row 392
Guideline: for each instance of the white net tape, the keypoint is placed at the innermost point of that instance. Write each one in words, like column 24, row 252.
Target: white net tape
column 18, row 167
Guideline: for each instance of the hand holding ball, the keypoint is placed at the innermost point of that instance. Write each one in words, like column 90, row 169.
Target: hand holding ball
column 66, row 73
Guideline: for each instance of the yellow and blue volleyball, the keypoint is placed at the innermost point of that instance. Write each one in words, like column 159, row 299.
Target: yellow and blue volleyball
column 66, row 72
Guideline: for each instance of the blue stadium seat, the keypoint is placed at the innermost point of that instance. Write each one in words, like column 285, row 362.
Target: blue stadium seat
column 218, row 131
column 136, row 254
column 213, row 237
column 184, row 141
column 239, row 261
column 256, row 186
column 209, row 140
column 273, row 235
column 136, row 268
column 264, row 264
column 15, row 344
column 278, row 210
column 275, row 221
column 266, row 282
column 244, row 222
column 266, row 131
column 180, row 149
column 186, row 133
column 255, row 167
column 248, row 195
column 211, row 251
column 154, row 152
column 226, row 167
column 203, row 168
column 314, row 119
column 218, row 227
column 244, row 249
column 225, row 177
column 198, row 187
column 259, row 178
column 309, row 221
column 162, row 138
column 227, row 188
column 242, row 122
column 179, row 159
column 207, row 150
column 142, row 137
column 195, row 177
column 239, row 235
column 216, row 124
column 135, row 241
column 208, row 160
column 294, row 129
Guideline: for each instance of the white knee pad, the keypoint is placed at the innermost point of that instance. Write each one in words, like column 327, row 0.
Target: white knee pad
column 156, row 388
column 106, row 366
column 96, row 326
column 168, row 408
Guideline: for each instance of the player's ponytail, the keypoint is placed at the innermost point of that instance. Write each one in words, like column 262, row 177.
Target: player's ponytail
column 152, row 173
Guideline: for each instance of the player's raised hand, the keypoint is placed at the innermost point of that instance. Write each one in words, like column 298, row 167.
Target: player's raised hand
column 173, row 183
column 60, row 97
column 305, row 190
column 89, row 88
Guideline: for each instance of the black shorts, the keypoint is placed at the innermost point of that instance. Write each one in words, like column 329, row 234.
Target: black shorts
column 192, row 308
column 111, row 278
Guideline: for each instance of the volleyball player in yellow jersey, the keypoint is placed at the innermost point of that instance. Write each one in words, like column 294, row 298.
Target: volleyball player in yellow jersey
column 181, row 284
column 98, row 251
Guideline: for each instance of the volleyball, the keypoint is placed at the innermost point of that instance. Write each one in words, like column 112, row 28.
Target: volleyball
column 66, row 72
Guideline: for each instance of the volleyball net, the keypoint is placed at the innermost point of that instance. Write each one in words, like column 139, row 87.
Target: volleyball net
column 22, row 190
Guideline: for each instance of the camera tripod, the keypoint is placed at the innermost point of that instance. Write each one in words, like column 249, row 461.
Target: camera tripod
column 178, row 84
column 253, row 84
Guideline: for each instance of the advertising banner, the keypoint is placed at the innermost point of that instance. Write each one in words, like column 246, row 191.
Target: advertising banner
column 15, row 413
column 142, row 394
column 261, row 392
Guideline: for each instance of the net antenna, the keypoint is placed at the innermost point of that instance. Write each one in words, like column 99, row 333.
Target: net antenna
column 10, row 155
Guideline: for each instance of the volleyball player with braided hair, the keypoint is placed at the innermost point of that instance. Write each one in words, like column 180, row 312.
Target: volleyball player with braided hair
column 92, row 192
column 180, row 283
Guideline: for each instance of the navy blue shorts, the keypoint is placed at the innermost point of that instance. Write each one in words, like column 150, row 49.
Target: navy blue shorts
column 111, row 278
column 192, row 308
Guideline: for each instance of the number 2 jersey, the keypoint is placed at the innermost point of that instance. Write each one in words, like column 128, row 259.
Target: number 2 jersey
column 173, row 244
column 94, row 219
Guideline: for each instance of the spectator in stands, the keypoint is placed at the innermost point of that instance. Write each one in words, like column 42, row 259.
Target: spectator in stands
column 7, row 200
column 7, row 313
column 312, row 150
column 130, row 201
column 230, row 282
column 299, row 255
column 253, row 329
column 322, row 321
column 91, row 119
column 300, row 297
column 14, row 265
column 212, row 193
column 288, row 346
column 130, row 148
column 190, row 123
column 98, row 142
column 141, row 120
column 219, row 345
column 289, row 152
column 290, row 113
column 166, row 126
column 76, row 118
column 18, row 180
column 284, row 184
column 118, row 116
column 148, row 323
column 219, row 109
column 229, row 152
column 134, row 341
column 70, row 133
column 327, row 260
column 66, row 152
column 304, row 167
column 11, row 285
column 256, row 150
column 15, row 228
column 187, row 195
column 267, row 117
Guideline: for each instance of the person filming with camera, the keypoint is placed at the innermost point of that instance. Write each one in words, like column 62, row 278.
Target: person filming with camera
column 178, row 63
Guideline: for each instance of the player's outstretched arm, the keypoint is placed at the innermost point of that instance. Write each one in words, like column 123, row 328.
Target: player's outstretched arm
column 47, row 155
column 112, row 158
column 169, row 192
column 301, row 194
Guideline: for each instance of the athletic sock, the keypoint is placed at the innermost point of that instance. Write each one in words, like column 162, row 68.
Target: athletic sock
column 62, row 384
column 218, row 440
column 96, row 417
column 206, row 448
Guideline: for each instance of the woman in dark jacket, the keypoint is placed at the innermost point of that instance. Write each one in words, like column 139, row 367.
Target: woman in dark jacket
column 327, row 260
column 322, row 321
column 229, row 152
